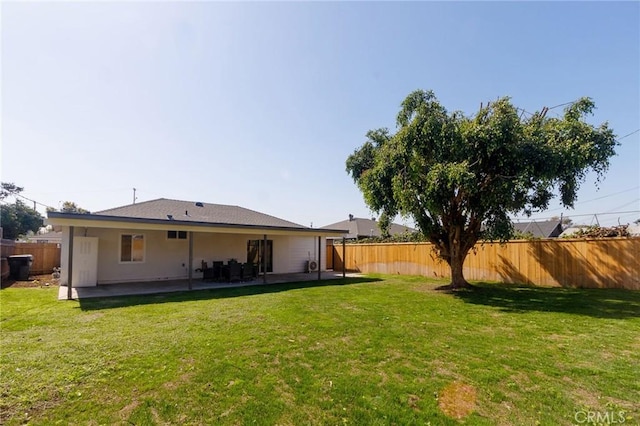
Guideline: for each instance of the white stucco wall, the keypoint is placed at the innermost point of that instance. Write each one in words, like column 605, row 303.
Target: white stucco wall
column 167, row 259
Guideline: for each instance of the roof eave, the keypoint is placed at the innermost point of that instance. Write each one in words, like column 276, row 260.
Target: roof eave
column 59, row 218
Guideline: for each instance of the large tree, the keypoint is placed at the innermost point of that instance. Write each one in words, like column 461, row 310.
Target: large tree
column 460, row 177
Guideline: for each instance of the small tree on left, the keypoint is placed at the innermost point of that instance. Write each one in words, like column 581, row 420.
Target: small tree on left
column 17, row 219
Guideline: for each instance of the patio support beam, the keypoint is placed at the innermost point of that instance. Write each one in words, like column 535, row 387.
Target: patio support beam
column 190, row 264
column 264, row 259
column 344, row 260
column 70, row 265
column 319, row 257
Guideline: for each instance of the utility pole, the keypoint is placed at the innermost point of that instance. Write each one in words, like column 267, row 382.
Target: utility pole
column 134, row 195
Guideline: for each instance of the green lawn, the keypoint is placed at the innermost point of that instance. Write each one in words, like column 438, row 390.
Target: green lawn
column 379, row 350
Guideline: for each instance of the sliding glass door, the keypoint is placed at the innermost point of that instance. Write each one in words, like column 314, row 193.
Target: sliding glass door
column 256, row 252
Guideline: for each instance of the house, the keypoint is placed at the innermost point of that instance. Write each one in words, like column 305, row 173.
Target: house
column 47, row 237
column 167, row 239
column 360, row 228
column 542, row 229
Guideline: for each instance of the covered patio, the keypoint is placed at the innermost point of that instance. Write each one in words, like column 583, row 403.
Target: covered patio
column 157, row 287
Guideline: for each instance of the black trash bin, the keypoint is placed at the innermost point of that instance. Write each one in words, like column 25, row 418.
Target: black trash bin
column 20, row 266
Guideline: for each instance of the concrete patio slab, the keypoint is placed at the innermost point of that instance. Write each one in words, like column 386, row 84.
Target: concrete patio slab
column 155, row 287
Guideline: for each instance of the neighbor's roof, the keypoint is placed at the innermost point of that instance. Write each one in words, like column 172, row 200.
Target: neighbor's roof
column 363, row 228
column 542, row 229
column 188, row 212
column 51, row 236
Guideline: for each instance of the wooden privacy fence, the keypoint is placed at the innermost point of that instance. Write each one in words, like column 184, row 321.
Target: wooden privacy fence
column 592, row 263
column 46, row 256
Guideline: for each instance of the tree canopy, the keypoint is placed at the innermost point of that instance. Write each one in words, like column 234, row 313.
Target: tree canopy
column 460, row 177
column 8, row 188
column 69, row 207
column 17, row 219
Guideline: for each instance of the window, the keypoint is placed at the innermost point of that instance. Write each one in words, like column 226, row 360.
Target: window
column 132, row 248
column 177, row 235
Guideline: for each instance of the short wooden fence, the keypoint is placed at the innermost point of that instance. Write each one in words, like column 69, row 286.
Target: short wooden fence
column 589, row 263
column 46, row 256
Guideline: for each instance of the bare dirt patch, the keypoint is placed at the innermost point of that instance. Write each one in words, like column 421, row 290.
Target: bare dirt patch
column 457, row 400
column 34, row 281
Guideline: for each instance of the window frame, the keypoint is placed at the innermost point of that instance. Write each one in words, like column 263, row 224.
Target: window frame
column 144, row 248
column 177, row 237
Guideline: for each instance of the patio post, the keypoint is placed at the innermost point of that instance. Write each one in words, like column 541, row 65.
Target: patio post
column 344, row 260
column 264, row 259
column 319, row 257
column 190, row 258
column 70, row 265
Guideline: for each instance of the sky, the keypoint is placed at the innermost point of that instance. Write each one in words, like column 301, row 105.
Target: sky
column 259, row 104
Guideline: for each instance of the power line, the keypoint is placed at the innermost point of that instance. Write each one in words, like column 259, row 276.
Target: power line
column 595, row 199
column 626, row 204
column 566, row 103
column 628, row 212
column 33, row 201
column 628, row 134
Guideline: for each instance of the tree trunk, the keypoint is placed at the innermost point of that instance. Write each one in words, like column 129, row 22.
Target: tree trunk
column 457, row 251
column 456, row 263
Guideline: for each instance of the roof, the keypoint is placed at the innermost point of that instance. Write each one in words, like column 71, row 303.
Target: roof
column 189, row 211
column 51, row 237
column 543, row 229
column 365, row 228
column 179, row 212
column 634, row 229
column 572, row 231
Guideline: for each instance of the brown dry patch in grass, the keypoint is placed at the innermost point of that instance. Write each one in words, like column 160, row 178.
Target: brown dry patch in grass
column 175, row 384
column 524, row 382
column 557, row 337
column 457, row 400
column 125, row 412
column 156, row 417
column 90, row 317
column 33, row 411
column 413, row 402
column 585, row 398
column 188, row 365
column 350, row 307
column 439, row 368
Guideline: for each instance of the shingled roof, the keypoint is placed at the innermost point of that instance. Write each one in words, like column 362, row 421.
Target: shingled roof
column 190, row 211
column 365, row 228
column 165, row 210
column 542, row 229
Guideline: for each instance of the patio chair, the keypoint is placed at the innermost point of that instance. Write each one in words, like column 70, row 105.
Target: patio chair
column 235, row 271
column 247, row 272
column 217, row 270
column 207, row 273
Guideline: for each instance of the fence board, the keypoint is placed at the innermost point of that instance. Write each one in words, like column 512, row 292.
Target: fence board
column 589, row 263
column 46, row 256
